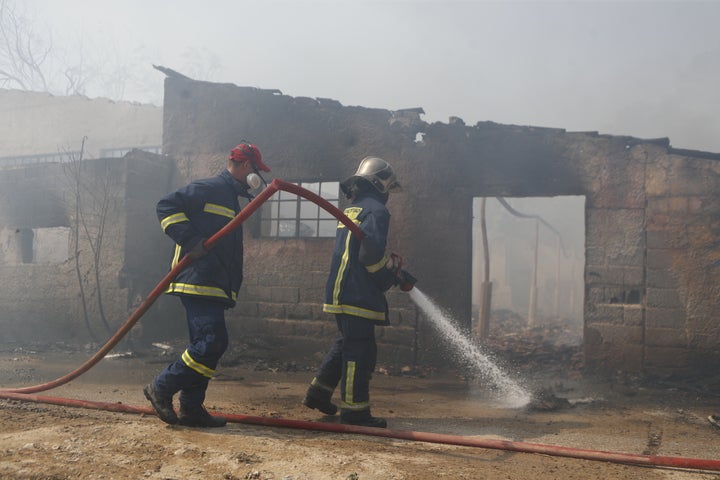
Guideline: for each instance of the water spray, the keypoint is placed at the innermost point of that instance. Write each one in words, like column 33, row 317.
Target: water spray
column 509, row 392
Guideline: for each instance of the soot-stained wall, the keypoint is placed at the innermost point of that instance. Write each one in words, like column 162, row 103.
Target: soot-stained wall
column 651, row 219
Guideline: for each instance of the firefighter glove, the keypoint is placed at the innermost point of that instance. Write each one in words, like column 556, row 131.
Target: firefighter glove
column 394, row 263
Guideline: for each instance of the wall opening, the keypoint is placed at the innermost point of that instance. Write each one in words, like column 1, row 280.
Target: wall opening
column 289, row 215
column 34, row 245
column 536, row 253
column 25, row 240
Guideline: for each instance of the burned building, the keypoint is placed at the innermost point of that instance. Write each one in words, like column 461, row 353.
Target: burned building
column 651, row 221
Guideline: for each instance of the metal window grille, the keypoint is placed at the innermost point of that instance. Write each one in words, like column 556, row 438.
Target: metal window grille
column 287, row 215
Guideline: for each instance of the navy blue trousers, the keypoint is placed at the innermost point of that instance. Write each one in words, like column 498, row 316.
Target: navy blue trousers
column 350, row 362
column 191, row 373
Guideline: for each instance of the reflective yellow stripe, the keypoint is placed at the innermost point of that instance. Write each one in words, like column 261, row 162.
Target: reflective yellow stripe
column 349, row 380
column 355, row 311
column 341, row 269
column 205, row 291
column 356, row 407
column 219, row 210
column 173, row 219
column 377, row 266
column 209, row 208
column 198, row 367
column 318, row 384
column 348, row 401
column 176, row 256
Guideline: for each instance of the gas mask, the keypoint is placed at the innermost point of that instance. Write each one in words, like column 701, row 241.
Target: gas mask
column 253, row 180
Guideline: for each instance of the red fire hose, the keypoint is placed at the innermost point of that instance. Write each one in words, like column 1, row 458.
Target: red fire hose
column 244, row 214
column 522, row 447
column 25, row 393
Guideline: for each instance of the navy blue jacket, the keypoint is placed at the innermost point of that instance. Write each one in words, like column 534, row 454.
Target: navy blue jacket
column 352, row 287
column 196, row 211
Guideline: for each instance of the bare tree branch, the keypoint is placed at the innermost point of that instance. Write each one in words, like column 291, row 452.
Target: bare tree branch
column 22, row 53
column 74, row 168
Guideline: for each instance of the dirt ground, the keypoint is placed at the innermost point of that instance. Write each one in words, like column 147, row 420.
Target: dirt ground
column 44, row 442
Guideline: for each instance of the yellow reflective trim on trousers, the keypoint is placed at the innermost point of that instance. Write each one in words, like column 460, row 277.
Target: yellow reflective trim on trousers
column 198, row 367
column 348, row 402
column 190, row 289
column 355, row 311
column 377, row 266
column 356, row 407
column 219, row 210
column 173, row 219
column 341, row 269
column 349, row 381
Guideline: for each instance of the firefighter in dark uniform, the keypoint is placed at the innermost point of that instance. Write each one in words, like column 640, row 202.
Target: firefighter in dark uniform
column 208, row 286
column 360, row 274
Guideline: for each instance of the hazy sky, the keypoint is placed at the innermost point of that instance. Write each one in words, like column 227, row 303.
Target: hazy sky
column 645, row 68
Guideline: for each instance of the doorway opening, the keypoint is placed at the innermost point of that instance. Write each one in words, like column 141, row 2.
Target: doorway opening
column 528, row 275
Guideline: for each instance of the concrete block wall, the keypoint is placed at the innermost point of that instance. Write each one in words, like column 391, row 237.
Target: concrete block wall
column 650, row 275
column 652, row 223
column 681, row 326
column 614, row 287
column 650, row 299
column 281, row 302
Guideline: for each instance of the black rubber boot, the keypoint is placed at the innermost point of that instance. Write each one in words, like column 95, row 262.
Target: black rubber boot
column 199, row 417
column 319, row 399
column 162, row 404
column 362, row 418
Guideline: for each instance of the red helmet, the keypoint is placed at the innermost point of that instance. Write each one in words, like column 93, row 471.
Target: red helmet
column 248, row 151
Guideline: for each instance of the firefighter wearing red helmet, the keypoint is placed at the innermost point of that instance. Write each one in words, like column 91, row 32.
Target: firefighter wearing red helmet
column 208, row 286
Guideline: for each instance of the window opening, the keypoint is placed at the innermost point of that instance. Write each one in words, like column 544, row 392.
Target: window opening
column 24, row 245
column 287, row 215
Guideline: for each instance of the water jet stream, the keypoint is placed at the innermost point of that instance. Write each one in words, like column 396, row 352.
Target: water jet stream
column 510, row 393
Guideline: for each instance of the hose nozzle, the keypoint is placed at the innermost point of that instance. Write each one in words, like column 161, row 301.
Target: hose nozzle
column 407, row 281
